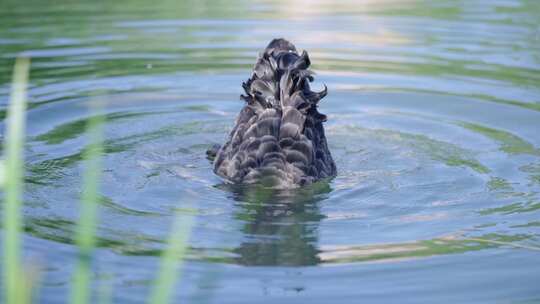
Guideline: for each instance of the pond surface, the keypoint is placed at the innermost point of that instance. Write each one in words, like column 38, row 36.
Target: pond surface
column 434, row 116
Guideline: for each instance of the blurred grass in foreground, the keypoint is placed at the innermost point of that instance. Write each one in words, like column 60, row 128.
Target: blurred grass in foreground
column 13, row 186
column 170, row 260
column 86, row 229
column 18, row 282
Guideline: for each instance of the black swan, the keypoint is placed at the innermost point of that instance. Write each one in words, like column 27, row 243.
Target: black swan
column 278, row 139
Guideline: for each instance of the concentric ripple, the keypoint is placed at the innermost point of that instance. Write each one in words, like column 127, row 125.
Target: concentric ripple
column 434, row 112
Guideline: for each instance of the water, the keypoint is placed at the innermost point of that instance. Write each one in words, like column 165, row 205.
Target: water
column 434, row 114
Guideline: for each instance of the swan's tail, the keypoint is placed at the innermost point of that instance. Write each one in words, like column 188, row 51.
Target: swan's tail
column 281, row 78
column 279, row 132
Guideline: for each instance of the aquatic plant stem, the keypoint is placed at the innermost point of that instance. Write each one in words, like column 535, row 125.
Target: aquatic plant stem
column 86, row 229
column 14, row 168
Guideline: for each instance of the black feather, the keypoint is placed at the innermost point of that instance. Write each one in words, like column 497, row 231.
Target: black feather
column 278, row 138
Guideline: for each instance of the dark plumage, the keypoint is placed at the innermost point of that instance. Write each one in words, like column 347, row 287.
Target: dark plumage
column 278, row 138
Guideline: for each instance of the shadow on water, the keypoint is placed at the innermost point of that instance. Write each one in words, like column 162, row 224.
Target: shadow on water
column 280, row 226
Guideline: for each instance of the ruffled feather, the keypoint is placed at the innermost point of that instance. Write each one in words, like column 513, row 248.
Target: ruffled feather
column 279, row 131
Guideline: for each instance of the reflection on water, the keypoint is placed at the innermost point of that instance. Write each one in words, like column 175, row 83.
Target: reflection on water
column 281, row 226
column 434, row 111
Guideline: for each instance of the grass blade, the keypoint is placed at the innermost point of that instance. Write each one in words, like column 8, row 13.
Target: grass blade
column 14, row 168
column 2, row 173
column 86, row 229
column 171, row 260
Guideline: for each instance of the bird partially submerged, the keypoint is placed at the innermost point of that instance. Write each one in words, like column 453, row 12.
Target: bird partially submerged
column 278, row 138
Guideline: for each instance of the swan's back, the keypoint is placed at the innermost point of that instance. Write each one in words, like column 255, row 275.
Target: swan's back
column 278, row 138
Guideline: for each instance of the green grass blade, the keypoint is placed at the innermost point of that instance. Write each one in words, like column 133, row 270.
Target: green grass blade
column 171, row 260
column 2, row 173
column 14, row 168
column 86, row 229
